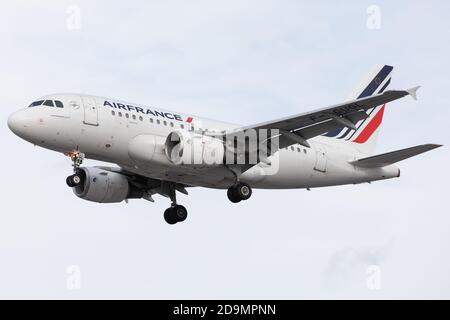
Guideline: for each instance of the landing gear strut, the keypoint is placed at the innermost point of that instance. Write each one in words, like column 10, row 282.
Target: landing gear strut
column 77, row 159
column 176, row 213
column 239, row 192
column 78, row 176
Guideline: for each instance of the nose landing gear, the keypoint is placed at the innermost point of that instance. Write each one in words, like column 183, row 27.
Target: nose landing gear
column 78, row 177
column 239, row 192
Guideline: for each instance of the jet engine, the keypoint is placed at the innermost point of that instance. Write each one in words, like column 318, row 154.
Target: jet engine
column 97, row 185
column 192, row 149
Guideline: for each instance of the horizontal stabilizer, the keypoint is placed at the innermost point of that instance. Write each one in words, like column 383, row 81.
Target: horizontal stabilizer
column 386, row 159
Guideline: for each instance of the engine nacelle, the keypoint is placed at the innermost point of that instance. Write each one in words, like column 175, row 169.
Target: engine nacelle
column 148, row 148
column 102, row 186
column 192, row 149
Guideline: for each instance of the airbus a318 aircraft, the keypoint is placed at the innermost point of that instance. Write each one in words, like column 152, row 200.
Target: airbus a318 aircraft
column 164, row 152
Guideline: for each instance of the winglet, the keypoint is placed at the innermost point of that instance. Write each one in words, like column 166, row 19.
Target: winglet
column 413, row 92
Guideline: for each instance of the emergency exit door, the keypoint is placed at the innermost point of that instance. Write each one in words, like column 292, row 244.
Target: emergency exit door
column 90, row 111
column 321, row 160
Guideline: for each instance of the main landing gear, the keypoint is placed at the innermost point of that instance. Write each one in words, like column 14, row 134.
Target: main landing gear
column 239, row 192
column 78, row 177
column 176, row 213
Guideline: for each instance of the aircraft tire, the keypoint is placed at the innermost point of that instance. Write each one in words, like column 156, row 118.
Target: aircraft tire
column 69, row 182
column 232, row 196
column 169, row 216
column 74, row 180
column 180, row 213
column 243, row 191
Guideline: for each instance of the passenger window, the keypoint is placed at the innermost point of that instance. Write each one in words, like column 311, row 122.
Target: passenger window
column 304, row 151
column 171, row 124
column 298, row 150
column 127, row 115
column 292, row 148
column 182, row 126
column 59, row 104
column 151, row 120
column 158, row 122
column 120, row 114
column 36, row 103
column 165, row 123
column 140, row 118
column 134, row 117
column 48, row 103
column 113, row 113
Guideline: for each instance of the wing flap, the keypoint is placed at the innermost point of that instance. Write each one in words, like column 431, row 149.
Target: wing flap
column 389, row 158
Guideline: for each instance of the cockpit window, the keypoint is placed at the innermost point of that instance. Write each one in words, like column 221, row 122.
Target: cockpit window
column 36, row 103
column 49, row 103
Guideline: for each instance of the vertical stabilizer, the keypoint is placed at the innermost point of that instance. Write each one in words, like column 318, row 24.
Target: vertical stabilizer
column 365, row 136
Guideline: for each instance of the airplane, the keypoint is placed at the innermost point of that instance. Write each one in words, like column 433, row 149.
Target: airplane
column 163, row 152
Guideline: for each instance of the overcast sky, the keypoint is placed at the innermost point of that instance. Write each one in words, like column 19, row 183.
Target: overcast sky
column 244, row 62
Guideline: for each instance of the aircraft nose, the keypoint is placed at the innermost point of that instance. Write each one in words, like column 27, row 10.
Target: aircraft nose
column 16, row 123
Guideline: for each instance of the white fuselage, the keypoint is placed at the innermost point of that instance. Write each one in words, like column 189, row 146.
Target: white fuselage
column 104, row 131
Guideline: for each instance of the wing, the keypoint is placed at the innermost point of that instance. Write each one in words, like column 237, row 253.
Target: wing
column 320, row 121
column 150, row 186
column 298, row 129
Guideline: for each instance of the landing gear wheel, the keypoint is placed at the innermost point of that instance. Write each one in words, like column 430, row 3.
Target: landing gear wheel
column 69, row 182
column 243, row 191
column 169, row 216
column 175, row 214
column 75, row 180
column 180, row 213
column 232, row 195
column 239, row 192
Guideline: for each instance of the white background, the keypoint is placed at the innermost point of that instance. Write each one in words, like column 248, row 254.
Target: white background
column 244, row 62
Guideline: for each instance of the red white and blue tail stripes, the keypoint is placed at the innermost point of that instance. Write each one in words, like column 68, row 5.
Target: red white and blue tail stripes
column 365, row 128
